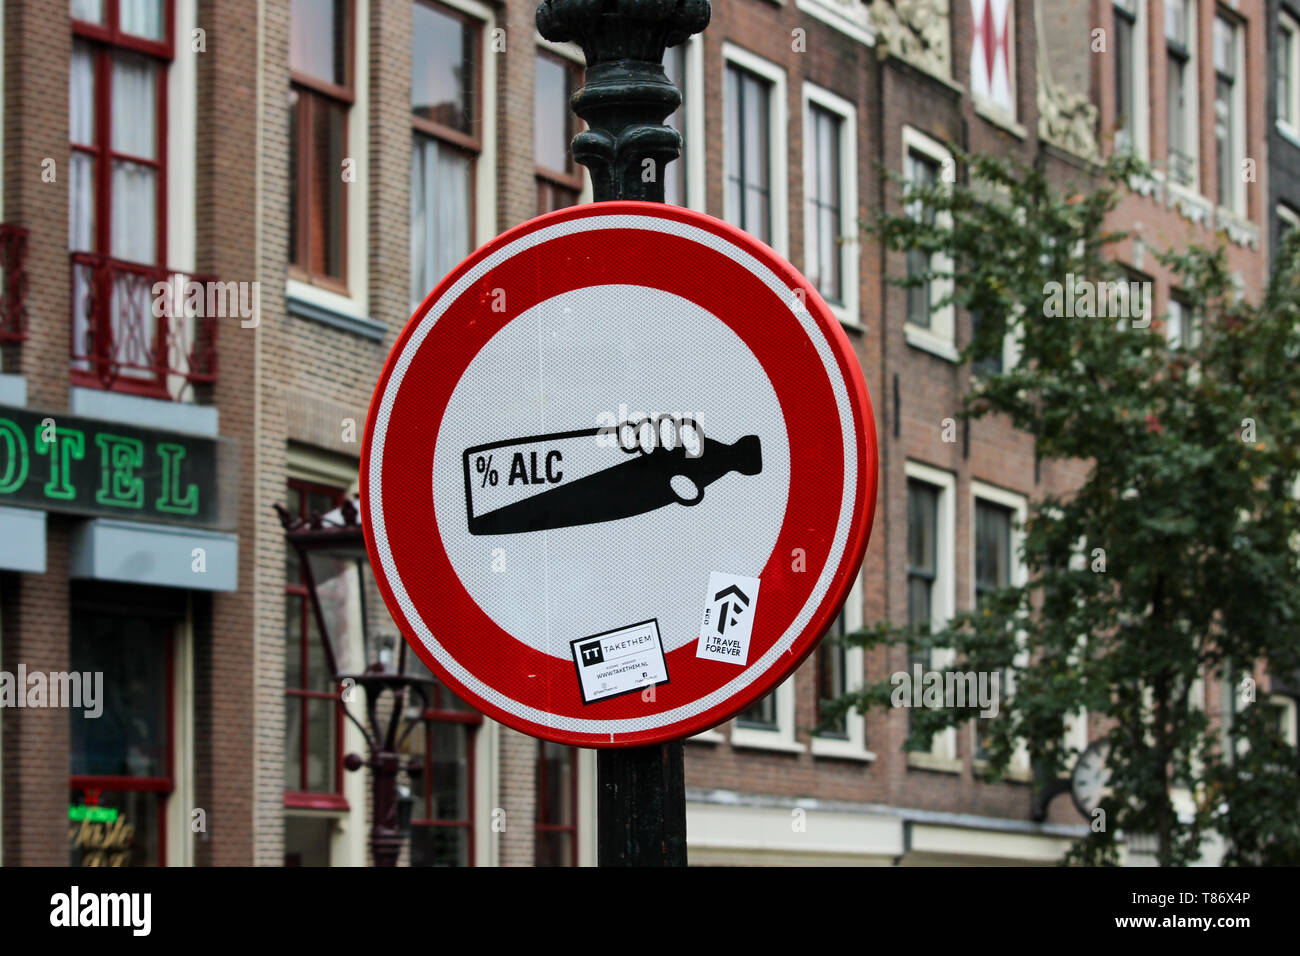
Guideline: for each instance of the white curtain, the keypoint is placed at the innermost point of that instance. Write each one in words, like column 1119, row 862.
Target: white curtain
column 134, row 184
column 440, row 227
column 142, row 18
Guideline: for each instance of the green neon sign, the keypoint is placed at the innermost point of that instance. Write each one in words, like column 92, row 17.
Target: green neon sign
column 59, row 462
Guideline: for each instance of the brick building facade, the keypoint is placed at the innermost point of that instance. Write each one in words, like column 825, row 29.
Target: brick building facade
column 336, row 158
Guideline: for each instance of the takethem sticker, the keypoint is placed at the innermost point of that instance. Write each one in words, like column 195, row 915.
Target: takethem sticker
column 620, row 661
column 728, row 618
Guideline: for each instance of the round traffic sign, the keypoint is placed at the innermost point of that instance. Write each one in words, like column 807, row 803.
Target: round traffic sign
column 618, row 474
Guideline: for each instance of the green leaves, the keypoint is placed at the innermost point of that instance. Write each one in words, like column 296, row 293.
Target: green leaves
column 1192, row 459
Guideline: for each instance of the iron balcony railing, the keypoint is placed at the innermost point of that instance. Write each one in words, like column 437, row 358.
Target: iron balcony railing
column 135, row 330
column 13, row 283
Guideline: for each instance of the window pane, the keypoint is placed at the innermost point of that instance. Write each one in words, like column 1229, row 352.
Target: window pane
column 293, row 743
column 321, row 746
column 1225, row 47
column 81, row 94
column 1285, row 46
column 1124, row 75
column 734, row 128
column 142, row 18
column 1176, row 20
column 831, row 675
column 923, row 503
column 135, row 193
column 442, row 68
column 114, row 828
column 992, row 547
column 450, row 785
column 307, row 841
column 129, row 738
column 440, row 846
column 761, row 714
column 440, row 219
column 554, row 848
column 92, row 11
column 318, row 39
column 551, row 115
column 555, row 801
column 328, row 121
column 293, row 628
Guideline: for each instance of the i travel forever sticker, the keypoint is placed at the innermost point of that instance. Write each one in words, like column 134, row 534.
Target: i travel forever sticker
column 577, row 429
column 729, row 607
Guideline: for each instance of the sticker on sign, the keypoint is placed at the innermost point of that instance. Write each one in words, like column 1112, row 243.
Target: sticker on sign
column 519, row 516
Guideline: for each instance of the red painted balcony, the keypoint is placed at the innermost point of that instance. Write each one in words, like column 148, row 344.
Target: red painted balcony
column 13, row 283
column 128, row 337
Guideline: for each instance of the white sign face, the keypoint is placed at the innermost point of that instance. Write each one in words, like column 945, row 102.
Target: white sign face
column 575, row 443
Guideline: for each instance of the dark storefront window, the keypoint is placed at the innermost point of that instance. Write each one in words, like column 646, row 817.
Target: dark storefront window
column 313, row 776
column 556, row 830
column 442, row 822
column 121, row 767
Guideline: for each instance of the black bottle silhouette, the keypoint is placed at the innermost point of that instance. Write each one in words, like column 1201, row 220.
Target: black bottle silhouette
column 644, row 482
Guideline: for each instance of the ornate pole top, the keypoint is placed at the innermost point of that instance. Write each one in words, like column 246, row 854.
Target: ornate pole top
column 627, row 96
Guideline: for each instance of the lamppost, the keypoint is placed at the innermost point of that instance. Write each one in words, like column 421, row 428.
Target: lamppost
column 332, row 554
column 625, row 98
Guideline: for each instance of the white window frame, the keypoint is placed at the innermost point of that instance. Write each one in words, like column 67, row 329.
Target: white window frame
column 692, row 90
column 1191, row 91
column 940, row 338
column 485, row 186
column 570, row 51
column 782, row 738
column 1236, row 206
column 943, row 603
column 855, row 671
column 850, row 311
column 1141, row 119
column 1018, row 504
column 778, row 136
column 355, row 303
column 1291, row 130
column 1288, row 705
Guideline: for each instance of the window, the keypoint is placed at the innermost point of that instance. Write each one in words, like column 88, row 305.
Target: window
column 841, row 670
column 1182, row 327
column 1287, row 219
column 442, row 823
column 556, row 830
column 1180, row 32
column 320, row 97
column 921, row 172
column 831, row 200
column 992, row 57
column 675, row 187
column 931, row 594
column 831, row 673
column 749, row 167
column 1228, row 134
column 446, row 114
column 121, row 766
column 559, row 181
column 926, row 327
column 1125, row 28
column 996, row 563
column 313, row 773
column 993, row 558
column 1288, row 74
column 117, row 199
column 754, row 147
column 760, row 715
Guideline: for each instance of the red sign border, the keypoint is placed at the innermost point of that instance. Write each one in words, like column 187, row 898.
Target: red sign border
column 860, row 523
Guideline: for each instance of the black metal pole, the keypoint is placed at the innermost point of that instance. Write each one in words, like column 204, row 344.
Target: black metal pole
column 625, row 98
